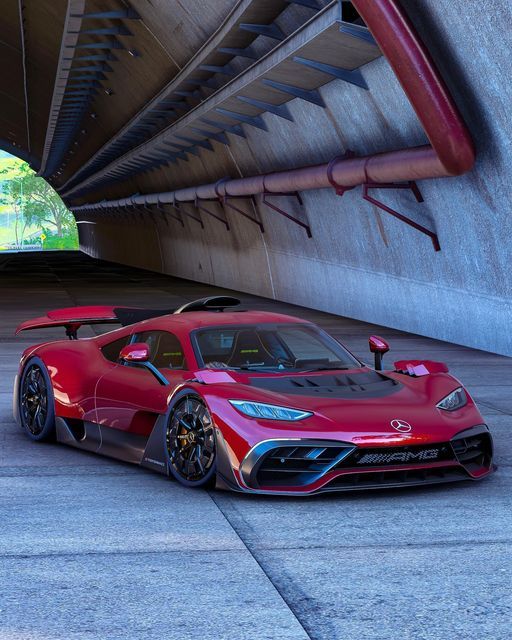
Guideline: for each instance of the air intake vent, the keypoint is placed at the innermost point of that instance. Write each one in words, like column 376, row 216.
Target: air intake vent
column 473, row 451
column 299, row 465
column 213, row 303
column 384, row 479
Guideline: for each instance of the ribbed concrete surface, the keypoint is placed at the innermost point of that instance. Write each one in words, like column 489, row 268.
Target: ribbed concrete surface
column 92, row 548
column 360, row 261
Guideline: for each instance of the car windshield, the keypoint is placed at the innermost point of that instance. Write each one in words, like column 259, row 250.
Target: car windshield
column 271, row 347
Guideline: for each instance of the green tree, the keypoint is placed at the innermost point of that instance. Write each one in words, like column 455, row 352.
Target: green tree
column 40, row 204
column 12, row 177
column 34, row 202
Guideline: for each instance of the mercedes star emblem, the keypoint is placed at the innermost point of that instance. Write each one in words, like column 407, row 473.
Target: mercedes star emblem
column 401, row 425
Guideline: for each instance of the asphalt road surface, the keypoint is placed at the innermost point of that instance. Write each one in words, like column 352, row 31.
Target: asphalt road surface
column 95, row 549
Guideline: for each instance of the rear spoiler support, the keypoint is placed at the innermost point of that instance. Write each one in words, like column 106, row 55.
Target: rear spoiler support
column 72, row 318
column 72, row 330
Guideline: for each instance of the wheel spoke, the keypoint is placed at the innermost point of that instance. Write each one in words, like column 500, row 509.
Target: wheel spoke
column 208, row 447
column 198, row 458
column 190, row 440
column 39, row 420
column 184, row 424
column 34, row 400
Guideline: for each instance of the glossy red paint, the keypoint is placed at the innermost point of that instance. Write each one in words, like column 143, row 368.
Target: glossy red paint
column 135, row 352
column 71, row 316
column 342, row 420
column 378, row 345
column 128, row 399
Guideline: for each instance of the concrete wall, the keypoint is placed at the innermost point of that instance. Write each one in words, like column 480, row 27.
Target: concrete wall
column 362, row 263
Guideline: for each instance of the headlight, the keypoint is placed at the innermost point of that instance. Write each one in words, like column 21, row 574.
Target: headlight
column 454, row 400
column 268, row 411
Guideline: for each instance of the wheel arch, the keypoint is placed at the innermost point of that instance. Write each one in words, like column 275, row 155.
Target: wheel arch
column 74, row 368
column 155, row 456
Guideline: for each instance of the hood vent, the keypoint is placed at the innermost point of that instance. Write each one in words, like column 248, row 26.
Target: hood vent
column 368, row 384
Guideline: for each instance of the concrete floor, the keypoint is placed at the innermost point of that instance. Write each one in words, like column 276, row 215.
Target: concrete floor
column 91, row 548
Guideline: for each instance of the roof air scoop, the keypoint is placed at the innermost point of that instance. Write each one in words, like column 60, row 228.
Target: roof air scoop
column 213, row 303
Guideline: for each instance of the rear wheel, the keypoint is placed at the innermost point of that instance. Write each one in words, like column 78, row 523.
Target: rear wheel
column 37, row 410
column 190, row 442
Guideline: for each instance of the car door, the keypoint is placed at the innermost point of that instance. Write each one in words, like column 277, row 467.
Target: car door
column 129, row 398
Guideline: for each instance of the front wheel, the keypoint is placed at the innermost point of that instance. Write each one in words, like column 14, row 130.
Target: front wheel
column 190, row 442
column 36, row 403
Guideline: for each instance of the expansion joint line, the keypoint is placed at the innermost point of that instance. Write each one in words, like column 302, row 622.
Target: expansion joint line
column 290, row 606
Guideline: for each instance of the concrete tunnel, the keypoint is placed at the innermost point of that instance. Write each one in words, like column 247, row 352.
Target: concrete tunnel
column 352, row 157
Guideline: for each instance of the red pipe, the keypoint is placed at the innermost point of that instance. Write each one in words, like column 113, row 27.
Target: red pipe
column 427, row 92
column 451, row 151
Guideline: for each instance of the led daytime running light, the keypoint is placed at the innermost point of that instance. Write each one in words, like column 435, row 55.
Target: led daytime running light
column 269, row 411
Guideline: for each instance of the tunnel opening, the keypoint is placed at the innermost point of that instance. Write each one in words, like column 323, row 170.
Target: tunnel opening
column 32, row 214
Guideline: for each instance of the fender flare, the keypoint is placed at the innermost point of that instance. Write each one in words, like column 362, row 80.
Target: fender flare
column 155, row 455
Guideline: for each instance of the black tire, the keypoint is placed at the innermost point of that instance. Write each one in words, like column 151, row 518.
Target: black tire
column 190, row 441
column 36, row 402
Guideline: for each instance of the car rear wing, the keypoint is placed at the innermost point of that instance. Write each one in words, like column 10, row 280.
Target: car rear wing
column 72, row 318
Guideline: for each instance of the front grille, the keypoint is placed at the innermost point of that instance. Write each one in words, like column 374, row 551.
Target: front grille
column 473, row 451
column 303, row 463
column 389, row 456
column 299, row 465
column 384, row 479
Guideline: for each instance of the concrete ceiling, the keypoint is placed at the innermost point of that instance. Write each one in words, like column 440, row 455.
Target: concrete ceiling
column 116, row 103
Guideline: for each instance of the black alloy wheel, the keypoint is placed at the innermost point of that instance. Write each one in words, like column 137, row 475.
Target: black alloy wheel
column 190, row 442
column 36, row 402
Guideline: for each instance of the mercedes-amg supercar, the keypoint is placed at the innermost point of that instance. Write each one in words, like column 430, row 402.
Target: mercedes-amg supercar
column 248, row 400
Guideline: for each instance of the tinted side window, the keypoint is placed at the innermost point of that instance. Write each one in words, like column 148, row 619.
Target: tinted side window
column 111, row 350
column 165, row 350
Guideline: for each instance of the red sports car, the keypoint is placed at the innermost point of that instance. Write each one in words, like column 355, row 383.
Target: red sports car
column 247, row 400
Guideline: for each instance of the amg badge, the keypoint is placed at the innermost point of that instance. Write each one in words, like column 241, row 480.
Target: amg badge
column 400, row 456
